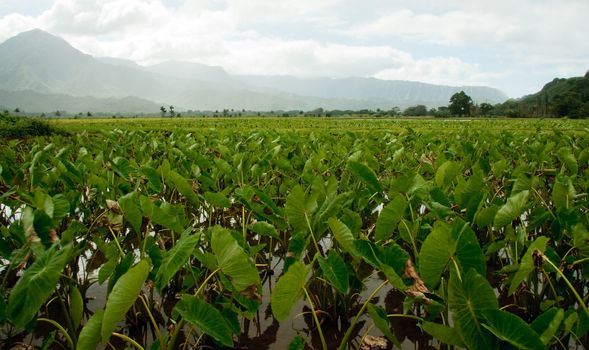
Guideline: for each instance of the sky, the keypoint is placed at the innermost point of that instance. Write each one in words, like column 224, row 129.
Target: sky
column 516, row 46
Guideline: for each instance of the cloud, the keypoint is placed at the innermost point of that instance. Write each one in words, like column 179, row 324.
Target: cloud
column 481, row 42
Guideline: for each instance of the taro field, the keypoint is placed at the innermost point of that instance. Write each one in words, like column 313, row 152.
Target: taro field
column 275, row 233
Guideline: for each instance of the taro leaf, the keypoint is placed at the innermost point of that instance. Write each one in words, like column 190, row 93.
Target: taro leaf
column 548, row 323
column 122, row 297
column 443, row 333
column 526, row 265
column 380, row 319
column 389, row 217
column 563, row 192
column 206, row 317
column 512, row 329
column 61, row 207
column 166, row 214
column 90, row 335
column 343, row 235
column 566, row 156
column 390, row 260
column 445, row 243
column 511, row 210
column 36, row 285
column 175, row 258
column 232, row 260
column 436, row 251
column 299, row 209
column 335, row 270
column 217, row 199
column 182, row 185
column 264, row 229
column 298, row 343
column 76, row 306
column 366, row 174
column 131, row 210
column 446, row 173
column 153, row 178
column 288, row 290
column 468, row 299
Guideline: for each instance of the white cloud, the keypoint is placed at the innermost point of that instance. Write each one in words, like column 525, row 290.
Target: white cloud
column 333, row 37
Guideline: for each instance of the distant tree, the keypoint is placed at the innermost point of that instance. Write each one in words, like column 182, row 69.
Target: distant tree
column 395, row 111
column 460, row 104
column 486, row 108
column 17, row 110
column 57, row 113
column 416, row 111
column 88, row 114
column 172, row 113
column 163, row 111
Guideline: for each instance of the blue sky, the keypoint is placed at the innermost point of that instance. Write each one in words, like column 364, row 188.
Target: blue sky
column 516, row 46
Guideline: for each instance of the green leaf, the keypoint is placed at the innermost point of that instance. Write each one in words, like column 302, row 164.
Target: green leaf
column 445, row 243
column 381, row 321
column 175, row 258
column 335, row 270
column 512, row 329
column 131, row 210
column 299, row 209
column 288, row 290
column 36, row 285
column 217, row 200
column 566, row 156
column 526, row 265
column 89, row 337
column 512, row 209
column 563, row 192
column 467, row 300
column 264, row 229
column 446, row 173
column 443, row 333
column 206, row 317
column 153, row 178
column 366, row 174
column 182, row 185
column 233, row 261
column 548, row 323
column 122, row 297
column 342, row 235
column 389, row 217
column 298, row 343
column 76, row 305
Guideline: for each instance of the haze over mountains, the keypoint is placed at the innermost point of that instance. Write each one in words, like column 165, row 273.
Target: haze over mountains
column 40, row 72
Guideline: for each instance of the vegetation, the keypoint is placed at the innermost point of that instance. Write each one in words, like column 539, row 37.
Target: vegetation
column 18, row 127
column 483, row 234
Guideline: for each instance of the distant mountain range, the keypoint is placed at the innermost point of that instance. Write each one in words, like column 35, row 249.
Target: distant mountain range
column 40, row 72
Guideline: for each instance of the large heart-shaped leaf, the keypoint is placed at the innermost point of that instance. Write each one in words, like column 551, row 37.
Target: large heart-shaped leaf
column 206, row 317
column 36, row 285
column 389, row 217
column 232, row 260
column 366, row 174
column 468, row 298
column 288, row 290
column 512, row 329
column 511, row 210
column 335, row 270
column 175, row 258
column 122, row 297
column 343, row 235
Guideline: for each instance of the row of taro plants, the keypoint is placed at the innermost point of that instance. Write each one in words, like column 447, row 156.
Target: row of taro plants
column 485, row 235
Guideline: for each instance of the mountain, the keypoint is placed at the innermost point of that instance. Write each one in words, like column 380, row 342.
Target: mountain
column 36, row 61
column 35, row 102
column 559, row 98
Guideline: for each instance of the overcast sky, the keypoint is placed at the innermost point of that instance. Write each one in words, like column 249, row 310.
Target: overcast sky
column 514, row 45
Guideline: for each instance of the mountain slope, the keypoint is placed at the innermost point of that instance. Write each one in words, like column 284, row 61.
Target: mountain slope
column 41, row 62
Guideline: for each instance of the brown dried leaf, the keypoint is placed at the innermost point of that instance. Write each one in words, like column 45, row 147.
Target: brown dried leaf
column 370, row 342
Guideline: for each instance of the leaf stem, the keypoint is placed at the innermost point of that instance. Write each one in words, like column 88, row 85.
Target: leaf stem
column 204, row 283
column 344, row 342
column 323, row 343
column 61, row 329
column 155, row 326
column 579, row 299
column 128, row 340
